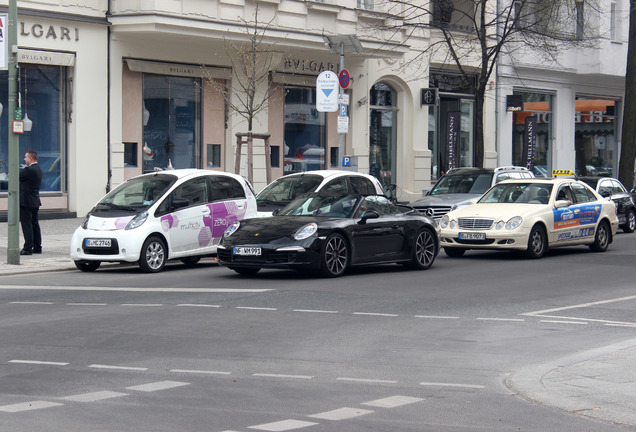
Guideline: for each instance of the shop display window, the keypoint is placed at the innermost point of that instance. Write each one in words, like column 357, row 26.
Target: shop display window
column 595, row 137
column 538, row 105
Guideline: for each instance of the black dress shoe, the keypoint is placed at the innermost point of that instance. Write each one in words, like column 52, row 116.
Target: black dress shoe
column 25, row 252
column 37, row 251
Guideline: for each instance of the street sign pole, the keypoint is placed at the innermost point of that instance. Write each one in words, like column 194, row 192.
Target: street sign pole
column 13, row 164
column 340, row 91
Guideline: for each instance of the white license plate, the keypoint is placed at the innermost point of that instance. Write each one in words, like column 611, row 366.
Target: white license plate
column 98, row 243
column 472, row 236
column 249, row 251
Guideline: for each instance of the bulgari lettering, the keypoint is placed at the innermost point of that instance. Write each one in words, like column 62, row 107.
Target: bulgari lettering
column 181, row 70
column 36, row 58
column 300, row 65
column 50, row 32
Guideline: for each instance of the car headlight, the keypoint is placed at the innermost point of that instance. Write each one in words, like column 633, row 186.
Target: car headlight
column 137, row 221
column 514, row 223
column 444, row 221
column 84, row 224
column 306, row 231
column 231, row 229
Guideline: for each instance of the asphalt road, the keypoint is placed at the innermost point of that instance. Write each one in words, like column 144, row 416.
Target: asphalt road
column 381, row 349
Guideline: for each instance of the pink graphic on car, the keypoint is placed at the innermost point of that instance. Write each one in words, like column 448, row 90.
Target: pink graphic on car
column 169, row 221
column 122, row 222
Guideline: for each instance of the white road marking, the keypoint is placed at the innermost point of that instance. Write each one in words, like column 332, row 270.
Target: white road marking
column 315, row 311
column 199, row 305
column 130, row 368
column 305, row 377
column 563, row 322
column 159, row 385
column 393, row 401
column 32, row 302
column 94, row 397
column 375, row 314
column 582, row 305
column 283, row 425
column 38, row 362
column 86, row 304
column 341, row 413
column 131, row 289
column 621, row 325
column 436, row 317
column 205, row 372
column 28, row 406
column 256, row 308
column 143, row 304
column 500, row 319
column 436, row 384
column 364, row 380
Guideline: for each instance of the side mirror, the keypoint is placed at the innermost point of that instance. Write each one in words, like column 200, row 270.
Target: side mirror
column 275, row 212
column 562, row 203
column 606, row 194
column 369, row 214
column 426, row 192
column 178, row 203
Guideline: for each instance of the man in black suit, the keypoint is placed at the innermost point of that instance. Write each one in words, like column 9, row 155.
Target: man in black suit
column 30, row 180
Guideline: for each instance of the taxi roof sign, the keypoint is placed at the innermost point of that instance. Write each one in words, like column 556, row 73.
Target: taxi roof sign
column 557, row 172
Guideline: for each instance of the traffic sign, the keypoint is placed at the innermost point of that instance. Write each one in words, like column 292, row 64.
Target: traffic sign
column 343, row 110
column 343, row 124
column 327, row 92
column 344, row 78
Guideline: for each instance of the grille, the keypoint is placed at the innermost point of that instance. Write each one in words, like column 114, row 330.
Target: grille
column 434, row 212
column 475, row 223
column 224, row 254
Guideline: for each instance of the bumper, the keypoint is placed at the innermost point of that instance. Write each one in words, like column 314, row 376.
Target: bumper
column 124, row 246
column 494, row 240
column 283, row 257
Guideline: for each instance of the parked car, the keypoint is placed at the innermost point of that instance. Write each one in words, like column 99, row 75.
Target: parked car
column 285, row 189
column 613, row 189
column 462, row 186
column 531, row 215
column 329, row 232
column 152, row 218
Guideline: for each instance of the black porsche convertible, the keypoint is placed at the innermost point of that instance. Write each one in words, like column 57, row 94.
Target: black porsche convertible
column 329, row 233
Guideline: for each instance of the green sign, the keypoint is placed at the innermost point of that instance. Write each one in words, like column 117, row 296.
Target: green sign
column 17, row 114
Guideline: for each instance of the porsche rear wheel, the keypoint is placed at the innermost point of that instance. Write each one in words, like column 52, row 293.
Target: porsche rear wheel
column 335, row 256
column 630, row 222
column 424, row 251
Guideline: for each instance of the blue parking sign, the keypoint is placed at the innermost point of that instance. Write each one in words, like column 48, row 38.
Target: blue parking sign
column 346, row 161
column 343, row 110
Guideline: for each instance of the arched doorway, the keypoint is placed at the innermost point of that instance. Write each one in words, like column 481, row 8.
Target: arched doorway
column 383, row 133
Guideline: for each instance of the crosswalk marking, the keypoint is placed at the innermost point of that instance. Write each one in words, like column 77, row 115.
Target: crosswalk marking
column 393, row 401
column 159, row 385
column 341, row 413
column 28, row 406
column 283, row 425
column 94, row 396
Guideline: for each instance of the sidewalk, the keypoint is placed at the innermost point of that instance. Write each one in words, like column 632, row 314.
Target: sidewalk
column 600, row 383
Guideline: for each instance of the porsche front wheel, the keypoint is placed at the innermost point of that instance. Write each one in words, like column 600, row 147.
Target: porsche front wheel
column 334, row 256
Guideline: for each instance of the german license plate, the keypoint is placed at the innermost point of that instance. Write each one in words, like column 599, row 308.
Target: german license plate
column 247, row 251
column 98, row 243
column 472, row 236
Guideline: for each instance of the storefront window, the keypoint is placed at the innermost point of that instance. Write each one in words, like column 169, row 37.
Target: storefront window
column 595, row 137
column 172, row 133
column 539, row 105
column 305, row 131
column 383, row 133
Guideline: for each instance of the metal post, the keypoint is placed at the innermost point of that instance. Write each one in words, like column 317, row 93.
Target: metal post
column 340, row 91
column 13, row 214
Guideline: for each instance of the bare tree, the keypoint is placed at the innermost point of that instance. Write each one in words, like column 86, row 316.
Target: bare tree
column 251, row 60
column 469, row 37
column 628, row 136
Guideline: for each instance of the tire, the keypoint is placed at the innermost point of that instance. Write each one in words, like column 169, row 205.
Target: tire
column 630, row 222
column 601, row 238
column 246, row 271
column 424, row 251
column 454, row 252
column 190, row 261
column 87, row 266
column 537, row 242
column 153, row 255
column 334, row 257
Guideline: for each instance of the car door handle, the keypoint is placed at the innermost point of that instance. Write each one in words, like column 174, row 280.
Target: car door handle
column 240, row 205
column 577, row 211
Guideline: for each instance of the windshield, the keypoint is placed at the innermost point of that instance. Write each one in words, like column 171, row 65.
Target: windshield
column 323, row 205
column 136, row 194
column 476, row 183
column 528, row 193
column 285, row 189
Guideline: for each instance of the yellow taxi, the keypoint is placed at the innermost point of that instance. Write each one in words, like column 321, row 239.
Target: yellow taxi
column 532, row 215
